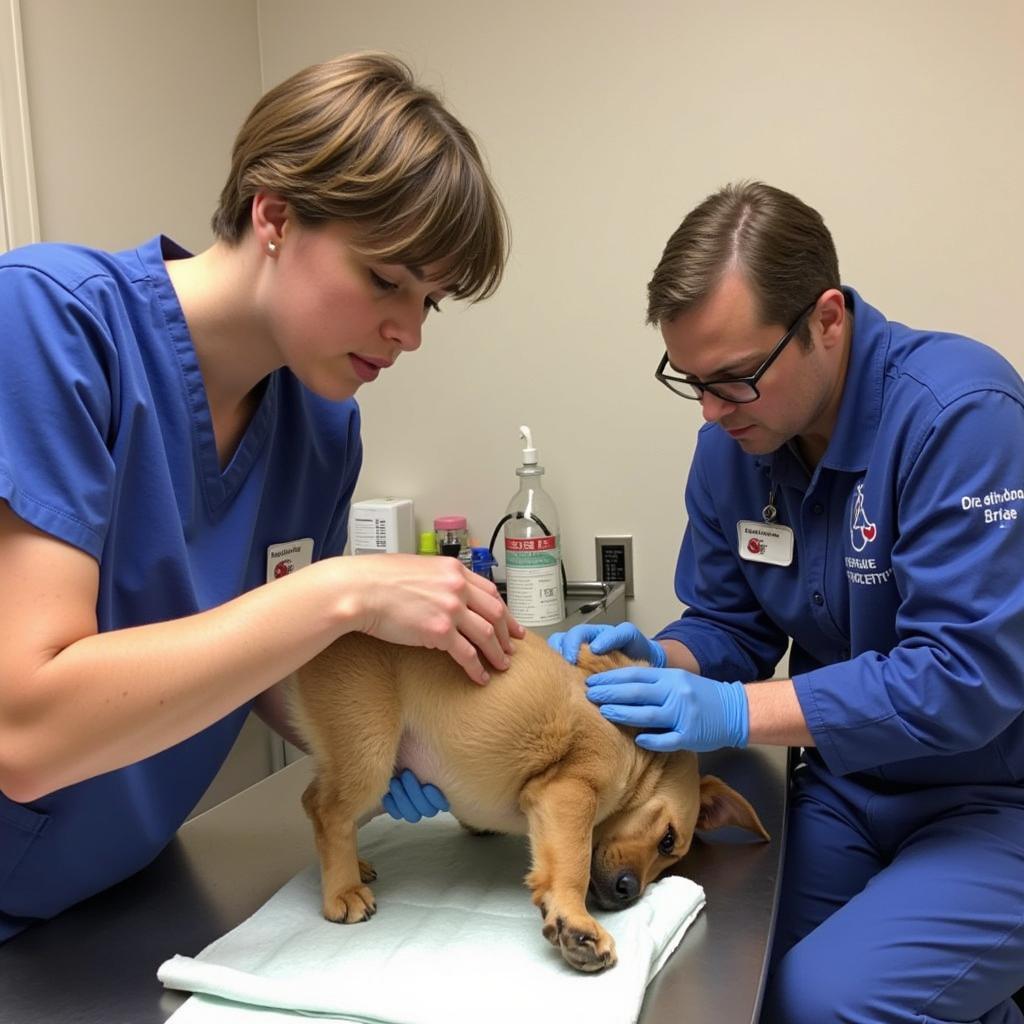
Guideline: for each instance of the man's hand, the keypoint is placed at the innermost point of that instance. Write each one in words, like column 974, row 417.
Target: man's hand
column 624, row 637
column 693, row 713
column 407, row 799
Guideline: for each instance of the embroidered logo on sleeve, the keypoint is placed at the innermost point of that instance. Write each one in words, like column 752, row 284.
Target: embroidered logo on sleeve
column 863, row 568
column 862, row 530
column 997, row 508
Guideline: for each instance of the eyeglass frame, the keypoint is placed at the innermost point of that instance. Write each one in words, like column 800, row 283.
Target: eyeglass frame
column 701, row 386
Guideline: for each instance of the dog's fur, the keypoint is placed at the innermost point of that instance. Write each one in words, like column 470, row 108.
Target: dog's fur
column 527, row 753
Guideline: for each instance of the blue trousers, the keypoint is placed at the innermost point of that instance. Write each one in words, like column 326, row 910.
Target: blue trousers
column 898, row 905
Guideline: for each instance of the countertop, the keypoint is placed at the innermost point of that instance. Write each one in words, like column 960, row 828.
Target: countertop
column 96, row 963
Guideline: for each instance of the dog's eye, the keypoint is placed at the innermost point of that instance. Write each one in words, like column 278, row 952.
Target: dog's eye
column 668, row 842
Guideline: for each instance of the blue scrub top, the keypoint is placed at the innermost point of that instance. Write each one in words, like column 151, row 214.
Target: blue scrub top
column 106, row 443
column 904, row 599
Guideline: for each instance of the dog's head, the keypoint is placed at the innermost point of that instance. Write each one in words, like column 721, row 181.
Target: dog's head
column 633, row 846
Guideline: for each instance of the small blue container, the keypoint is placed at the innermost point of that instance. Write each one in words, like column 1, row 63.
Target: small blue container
column 483, row 562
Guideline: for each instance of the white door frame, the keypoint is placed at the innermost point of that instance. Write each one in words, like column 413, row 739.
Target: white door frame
column 19, row 213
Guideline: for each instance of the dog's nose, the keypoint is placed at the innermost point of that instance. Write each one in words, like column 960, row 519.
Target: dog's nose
column 627, row 886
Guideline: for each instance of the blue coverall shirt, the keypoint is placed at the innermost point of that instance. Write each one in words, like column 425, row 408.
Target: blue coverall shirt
column 106, row 443
column 904, row 598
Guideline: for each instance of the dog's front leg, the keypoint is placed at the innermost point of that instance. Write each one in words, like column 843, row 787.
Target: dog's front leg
column 561, row 812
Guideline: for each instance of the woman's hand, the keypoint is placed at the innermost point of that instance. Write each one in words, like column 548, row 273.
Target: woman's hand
column 433, row 602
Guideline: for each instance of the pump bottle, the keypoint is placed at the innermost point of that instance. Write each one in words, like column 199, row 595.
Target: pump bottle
column 533, row 559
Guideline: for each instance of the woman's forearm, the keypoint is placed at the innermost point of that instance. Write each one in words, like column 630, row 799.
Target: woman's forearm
column 113, row 698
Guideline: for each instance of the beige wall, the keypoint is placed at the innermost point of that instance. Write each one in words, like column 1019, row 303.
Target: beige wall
column 134, row 106
column 604, row 122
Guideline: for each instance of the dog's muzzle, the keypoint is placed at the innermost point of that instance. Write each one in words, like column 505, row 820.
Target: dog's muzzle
column 616, row 892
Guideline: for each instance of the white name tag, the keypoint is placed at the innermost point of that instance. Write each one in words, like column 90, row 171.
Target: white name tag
column 765, row 542
column 288, row 556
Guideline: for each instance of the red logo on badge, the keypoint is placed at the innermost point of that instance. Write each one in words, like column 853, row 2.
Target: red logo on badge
column 755, row 546
column 283, row 567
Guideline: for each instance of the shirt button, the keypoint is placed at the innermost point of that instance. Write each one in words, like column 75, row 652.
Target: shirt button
column 817, row 508
column 817, row 598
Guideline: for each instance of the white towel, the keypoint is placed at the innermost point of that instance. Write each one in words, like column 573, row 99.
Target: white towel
column 455, row 939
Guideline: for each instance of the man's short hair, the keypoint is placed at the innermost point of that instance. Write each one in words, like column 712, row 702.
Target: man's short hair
column 777, row 242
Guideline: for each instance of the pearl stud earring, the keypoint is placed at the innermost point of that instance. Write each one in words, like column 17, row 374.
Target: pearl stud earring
column 272, row 248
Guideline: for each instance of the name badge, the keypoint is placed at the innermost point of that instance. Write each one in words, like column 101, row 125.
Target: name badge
column 288, row 556
column 765, row 542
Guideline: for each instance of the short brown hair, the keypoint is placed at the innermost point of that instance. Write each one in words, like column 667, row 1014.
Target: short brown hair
column 356, row 139
column 779, row 243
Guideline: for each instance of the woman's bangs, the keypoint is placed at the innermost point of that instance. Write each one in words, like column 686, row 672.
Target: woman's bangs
column 446, row 215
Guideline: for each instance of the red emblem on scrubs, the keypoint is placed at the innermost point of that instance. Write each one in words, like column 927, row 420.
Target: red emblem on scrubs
column 862, row 530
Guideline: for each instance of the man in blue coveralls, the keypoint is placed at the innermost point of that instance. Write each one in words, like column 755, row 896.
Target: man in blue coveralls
column 857, row 488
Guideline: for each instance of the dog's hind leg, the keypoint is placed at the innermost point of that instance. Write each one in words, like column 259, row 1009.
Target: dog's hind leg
column 352, row 722
column 346, row 897
column 349, row 782
column 561, row 810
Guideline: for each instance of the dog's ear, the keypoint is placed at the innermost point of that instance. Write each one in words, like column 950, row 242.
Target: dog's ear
column 721, row 805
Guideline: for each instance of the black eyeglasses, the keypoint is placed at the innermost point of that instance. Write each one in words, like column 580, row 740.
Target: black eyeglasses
column 734, row 390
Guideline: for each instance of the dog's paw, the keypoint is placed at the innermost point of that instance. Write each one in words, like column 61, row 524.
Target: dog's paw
column 352, row 906
column 585, row 945
column 367, row 872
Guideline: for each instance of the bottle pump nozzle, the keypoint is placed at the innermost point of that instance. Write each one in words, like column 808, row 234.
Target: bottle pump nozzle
column 529, row 452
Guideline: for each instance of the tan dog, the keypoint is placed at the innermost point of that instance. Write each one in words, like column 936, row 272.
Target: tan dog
column 528, row 753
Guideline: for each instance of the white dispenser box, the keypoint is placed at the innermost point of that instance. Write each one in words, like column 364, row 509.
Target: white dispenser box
column 380, row 526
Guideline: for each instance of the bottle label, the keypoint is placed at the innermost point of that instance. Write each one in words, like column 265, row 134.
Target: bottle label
column 533, row 580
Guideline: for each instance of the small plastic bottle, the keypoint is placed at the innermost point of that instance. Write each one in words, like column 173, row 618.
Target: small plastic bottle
column 483, row 562
column 453, row 538
column 533, row 558
column 428, row 543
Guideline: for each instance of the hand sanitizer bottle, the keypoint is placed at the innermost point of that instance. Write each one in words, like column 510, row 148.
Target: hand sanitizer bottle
column 533, row 559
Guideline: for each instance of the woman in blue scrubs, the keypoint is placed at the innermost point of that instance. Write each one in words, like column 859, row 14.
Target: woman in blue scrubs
column 857, row 489
column 179, row 445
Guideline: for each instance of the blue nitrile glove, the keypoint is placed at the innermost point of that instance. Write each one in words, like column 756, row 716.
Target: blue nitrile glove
column 409, row 800
column 696, row 713
column 624, row 637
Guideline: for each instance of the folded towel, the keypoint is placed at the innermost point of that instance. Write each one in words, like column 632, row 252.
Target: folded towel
column 455, row 939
